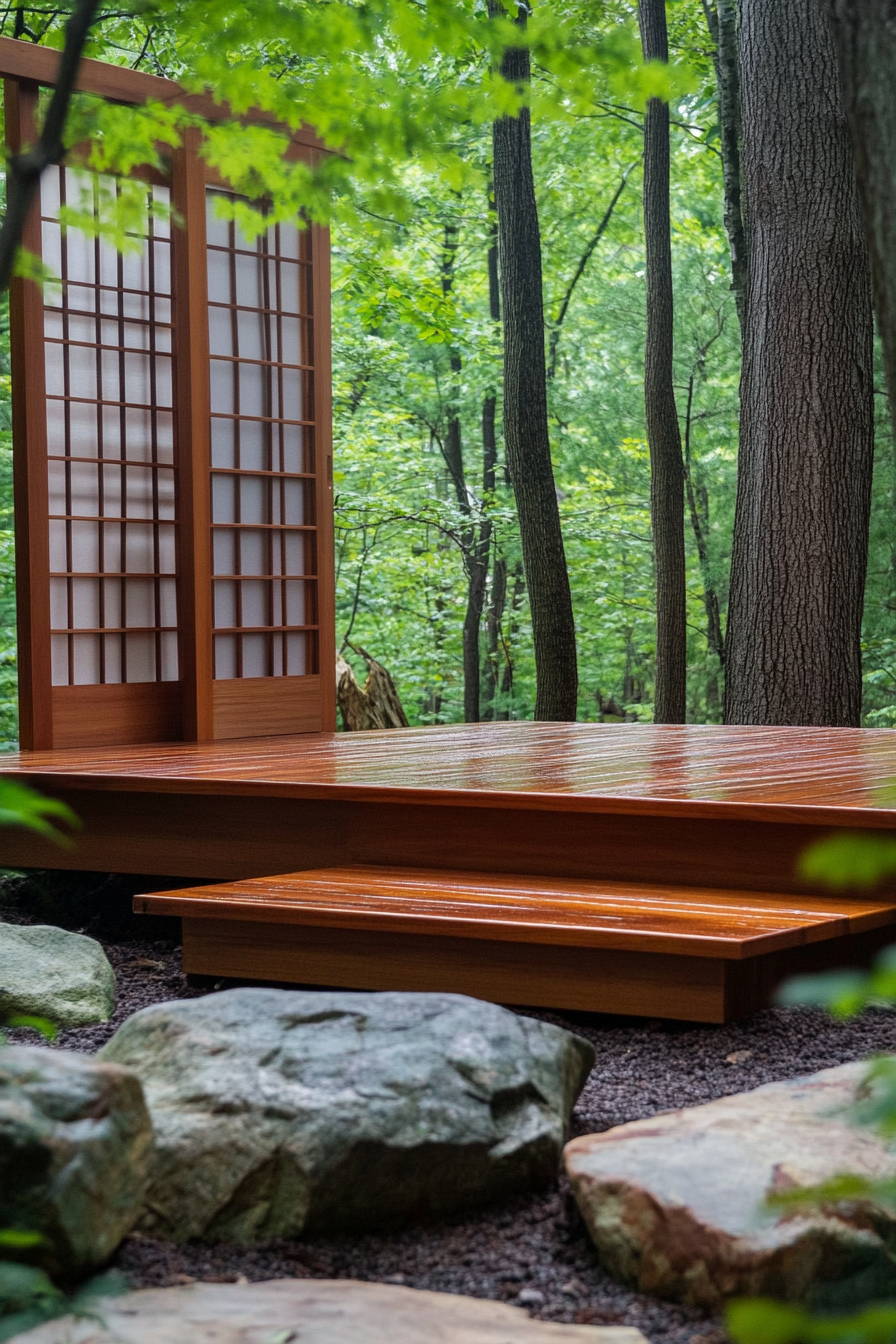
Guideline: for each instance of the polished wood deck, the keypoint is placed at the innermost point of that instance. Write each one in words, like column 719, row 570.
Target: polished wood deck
column 714, row 817
column 695, row 770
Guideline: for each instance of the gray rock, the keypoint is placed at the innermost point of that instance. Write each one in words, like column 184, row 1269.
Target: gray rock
column 50, row 973
column 280, row 1110
column 75, row 1141
column 313, row 1311
column 674, row 1204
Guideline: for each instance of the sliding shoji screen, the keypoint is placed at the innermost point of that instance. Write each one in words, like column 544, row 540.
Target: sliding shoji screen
column 264, row 474
column 173, row 470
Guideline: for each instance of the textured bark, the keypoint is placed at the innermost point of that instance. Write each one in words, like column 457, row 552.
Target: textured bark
column 526, row 437
column 495, row 612
column 474, row 542
column 375, row 705
column 698, row 506
column 865, row 40
column 721, row 18
column 806, row 442
column 494, row 615
column 663, row 432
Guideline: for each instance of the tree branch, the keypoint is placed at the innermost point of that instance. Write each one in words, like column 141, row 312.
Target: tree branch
column 24, row 169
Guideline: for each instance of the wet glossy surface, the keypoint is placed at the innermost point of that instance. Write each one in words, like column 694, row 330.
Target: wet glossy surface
column 582, row 766
column 696, row 921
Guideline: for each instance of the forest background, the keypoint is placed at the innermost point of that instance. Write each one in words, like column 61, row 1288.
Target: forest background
column 417, row 370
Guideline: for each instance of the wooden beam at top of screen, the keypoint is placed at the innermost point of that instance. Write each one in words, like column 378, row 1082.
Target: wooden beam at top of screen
column 26, row 61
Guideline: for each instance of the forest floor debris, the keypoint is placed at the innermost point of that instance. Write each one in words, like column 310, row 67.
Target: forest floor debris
column 530, row 1250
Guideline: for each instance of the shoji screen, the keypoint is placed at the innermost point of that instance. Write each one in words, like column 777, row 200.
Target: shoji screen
column 173, row 472
column 110, row 446
column 265, row 465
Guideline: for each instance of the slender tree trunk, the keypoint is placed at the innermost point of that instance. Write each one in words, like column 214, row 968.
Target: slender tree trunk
column 865, row 42
column 721, row 18
column 494, row 615
column 475, row 546
column 526, row 438
column 807, row 426
column 663, row 432
column 557, row 324
column 698, row 507
column 516, row 604
column 495, row 611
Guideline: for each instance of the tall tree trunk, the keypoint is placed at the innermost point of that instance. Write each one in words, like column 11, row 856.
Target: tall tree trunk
column 495, row 612
column 526, row 438
column 475, row 546
column 494, row 616
column 663, row 432
column 698, row 506
column 721, row 18
column 865, row 41
column 807, row 427
column 516, row 603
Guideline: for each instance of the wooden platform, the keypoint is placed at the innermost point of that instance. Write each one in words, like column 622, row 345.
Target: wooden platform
column 620, row 947
column 710, row 817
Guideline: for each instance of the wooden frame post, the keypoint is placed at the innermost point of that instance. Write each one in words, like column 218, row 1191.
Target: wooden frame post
column 193, row 435
column 32, row 529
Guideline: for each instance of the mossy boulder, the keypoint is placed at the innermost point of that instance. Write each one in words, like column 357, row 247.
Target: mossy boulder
column 47, row 972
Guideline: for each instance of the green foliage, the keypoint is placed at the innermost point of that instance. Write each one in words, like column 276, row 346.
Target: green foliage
column 849, row 860
column 845, row 993
column 47, row 1029
column 21, row 806
column 843, row 860
column 28, row 1296
column 761, row 1321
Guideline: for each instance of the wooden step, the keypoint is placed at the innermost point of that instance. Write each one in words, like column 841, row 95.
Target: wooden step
column 696, row 953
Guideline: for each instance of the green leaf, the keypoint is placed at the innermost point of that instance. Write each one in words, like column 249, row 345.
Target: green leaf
column 21, row 806
column 46, row 1028
column 849, row 859
column 761, row 1321
column 12, row 1236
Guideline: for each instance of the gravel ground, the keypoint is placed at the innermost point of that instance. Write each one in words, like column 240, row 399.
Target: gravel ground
column 532, row 1250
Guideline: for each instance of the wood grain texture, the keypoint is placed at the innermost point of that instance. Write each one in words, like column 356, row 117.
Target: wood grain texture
column 29, row 433
column 589, row 979
column 513, row 908
column 641, row 984
column 191, row 359
column 266, row 706
column 147, row 711
column 798, row 776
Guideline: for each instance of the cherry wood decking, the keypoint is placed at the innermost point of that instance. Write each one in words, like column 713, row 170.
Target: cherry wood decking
column 714, row 817
column 712, row 806
column 620, row 947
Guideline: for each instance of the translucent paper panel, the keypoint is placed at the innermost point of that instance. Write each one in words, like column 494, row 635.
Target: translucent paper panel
column 110, row 440
column 261, row 382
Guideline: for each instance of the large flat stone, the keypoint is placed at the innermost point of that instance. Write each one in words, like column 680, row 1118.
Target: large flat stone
column 674, row 1204
column 75, row 1138
column 48, row 972
column 314, row 1311
column 279, row 1110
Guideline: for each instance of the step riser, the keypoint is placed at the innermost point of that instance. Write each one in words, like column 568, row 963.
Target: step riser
column 225, row 837
column 690, row 989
